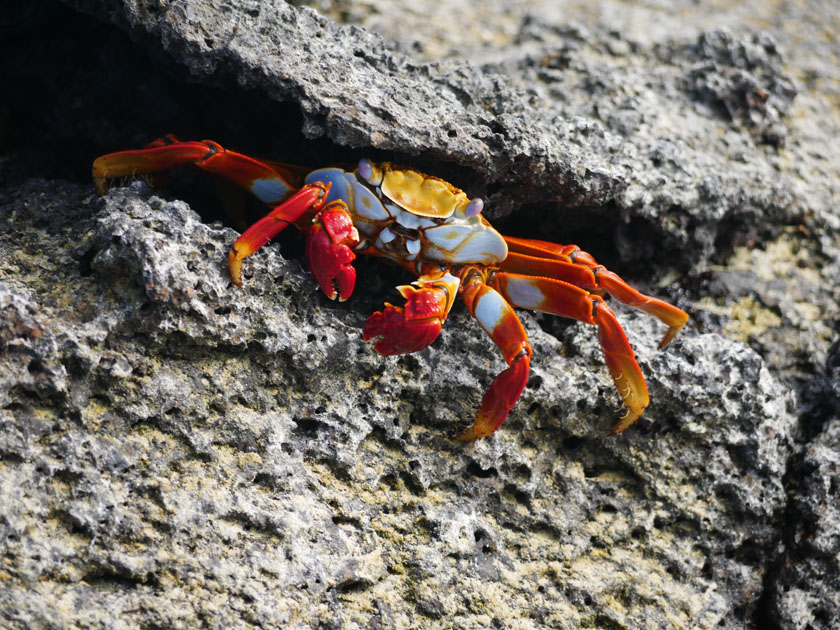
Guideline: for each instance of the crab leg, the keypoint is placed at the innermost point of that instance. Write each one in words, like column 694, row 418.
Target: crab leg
column 270, row 184
column 498, row 319
column 564, row 299
column 570, row 264
column 411, row 329
column 310, row 197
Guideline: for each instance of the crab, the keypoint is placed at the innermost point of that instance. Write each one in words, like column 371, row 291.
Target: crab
column 435, row 231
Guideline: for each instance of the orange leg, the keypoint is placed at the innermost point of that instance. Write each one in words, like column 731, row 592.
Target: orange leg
column 564, row 299
column 498, row 319
column 309, row 198
column 570, row 264
column 273, row 183
column 270, row 184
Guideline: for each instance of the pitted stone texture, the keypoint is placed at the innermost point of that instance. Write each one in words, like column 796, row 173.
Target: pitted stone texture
column 204, row 451
column 170, row 435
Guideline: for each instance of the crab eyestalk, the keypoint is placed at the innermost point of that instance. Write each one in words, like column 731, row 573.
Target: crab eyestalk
column 474, row 207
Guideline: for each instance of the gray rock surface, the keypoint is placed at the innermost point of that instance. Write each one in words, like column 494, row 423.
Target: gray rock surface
column 176, row 452
column 248, row 444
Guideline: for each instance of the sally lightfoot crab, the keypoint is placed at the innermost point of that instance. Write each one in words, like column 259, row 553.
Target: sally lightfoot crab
column 433, row 230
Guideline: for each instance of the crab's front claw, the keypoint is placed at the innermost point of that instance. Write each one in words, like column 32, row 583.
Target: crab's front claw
column 499, row 399
column 396, row 333
column 329, row 251
column 399, row 331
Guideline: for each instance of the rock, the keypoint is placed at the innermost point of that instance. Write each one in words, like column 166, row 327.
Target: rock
column 246, row 443
column 176, row 452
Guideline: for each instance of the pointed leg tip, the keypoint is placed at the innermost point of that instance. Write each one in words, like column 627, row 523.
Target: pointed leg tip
column 626, row 421
column 101, row 185
column 470, row 435
column 499, row 399
column 669, row 335
column 235, row 268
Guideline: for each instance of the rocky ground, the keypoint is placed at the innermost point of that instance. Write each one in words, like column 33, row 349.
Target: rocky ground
column 177, row 453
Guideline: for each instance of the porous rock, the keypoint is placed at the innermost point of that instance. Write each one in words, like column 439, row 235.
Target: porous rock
column 179, row 453
column 246, row 446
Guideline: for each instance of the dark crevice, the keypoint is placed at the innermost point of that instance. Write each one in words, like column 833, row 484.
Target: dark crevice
column 97, row 91
column 474, row 469
column 256, row 522
column 780, row 552
column 791, row 549
column 108, row 577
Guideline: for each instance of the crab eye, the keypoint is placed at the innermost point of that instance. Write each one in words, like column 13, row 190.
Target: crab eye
column 365, row 168
column 474, row 208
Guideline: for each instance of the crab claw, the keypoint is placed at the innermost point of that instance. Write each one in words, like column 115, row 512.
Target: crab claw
column 399, row 334
column 329, row 253
column 398, row 330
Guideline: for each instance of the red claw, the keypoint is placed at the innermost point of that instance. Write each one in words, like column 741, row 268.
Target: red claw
column 398, row 335
column 329, row 253
column 414, row 328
